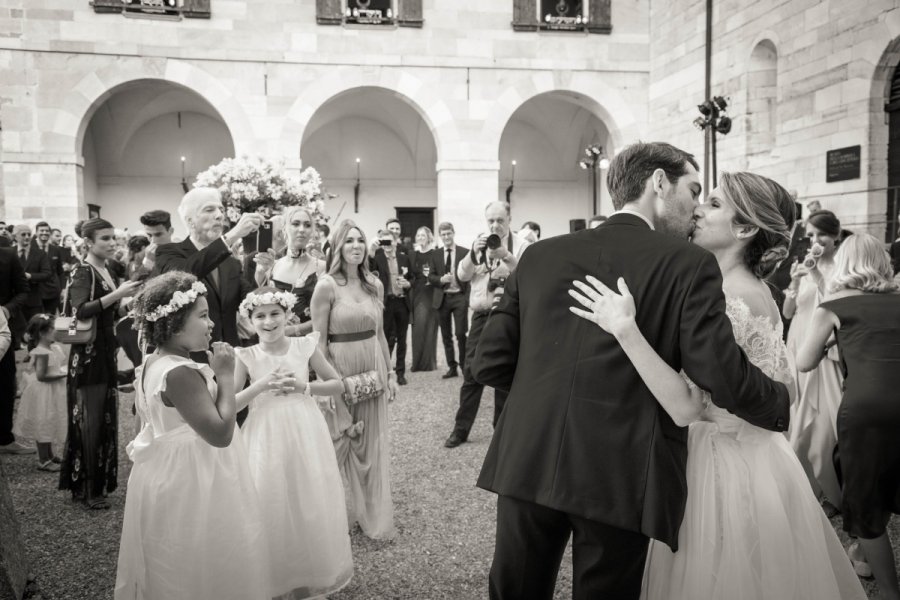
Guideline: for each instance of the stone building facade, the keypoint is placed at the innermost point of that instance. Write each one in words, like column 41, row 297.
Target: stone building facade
column 97, row 108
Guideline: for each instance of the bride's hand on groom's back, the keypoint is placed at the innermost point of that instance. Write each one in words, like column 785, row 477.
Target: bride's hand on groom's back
column 614, row 313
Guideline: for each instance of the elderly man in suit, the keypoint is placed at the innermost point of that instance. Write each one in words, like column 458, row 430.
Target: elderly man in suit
column 37, row 269
column 13, row 296
column 206, row 253
column 451, row 296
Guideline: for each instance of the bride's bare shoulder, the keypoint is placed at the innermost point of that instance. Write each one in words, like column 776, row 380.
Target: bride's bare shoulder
column 756, row 296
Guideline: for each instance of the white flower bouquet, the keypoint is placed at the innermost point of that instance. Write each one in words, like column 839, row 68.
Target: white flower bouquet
column 254, row 184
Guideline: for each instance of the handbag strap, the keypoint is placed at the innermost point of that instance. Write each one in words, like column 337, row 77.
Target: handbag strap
column 68, row 298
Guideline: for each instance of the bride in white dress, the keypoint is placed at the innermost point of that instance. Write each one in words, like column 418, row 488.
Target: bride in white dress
column 752, row 528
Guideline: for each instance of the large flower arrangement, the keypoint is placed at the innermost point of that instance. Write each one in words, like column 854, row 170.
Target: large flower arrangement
column 254, row 184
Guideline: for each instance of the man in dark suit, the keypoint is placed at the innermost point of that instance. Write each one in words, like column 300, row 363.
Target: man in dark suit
column 395, row 271
column 13, row 296
column 50, row 288
column 37, row 270
column 451, row 296
column 582, row 447
column 207, row 255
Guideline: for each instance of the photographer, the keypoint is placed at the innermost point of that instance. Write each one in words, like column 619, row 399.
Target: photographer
column 395, row 271
column 493, row 257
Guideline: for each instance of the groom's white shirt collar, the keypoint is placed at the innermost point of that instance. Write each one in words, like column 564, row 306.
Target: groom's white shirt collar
column 629, row 211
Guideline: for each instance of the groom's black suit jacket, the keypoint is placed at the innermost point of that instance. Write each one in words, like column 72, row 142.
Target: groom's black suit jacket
column 580, row 432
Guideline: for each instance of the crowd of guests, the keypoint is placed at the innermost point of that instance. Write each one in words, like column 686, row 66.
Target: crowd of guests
column 289, row 325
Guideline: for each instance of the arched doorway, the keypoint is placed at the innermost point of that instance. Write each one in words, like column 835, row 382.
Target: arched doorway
column 134, row 144
column 396, row 152
column 892, row 107
column 546, row 137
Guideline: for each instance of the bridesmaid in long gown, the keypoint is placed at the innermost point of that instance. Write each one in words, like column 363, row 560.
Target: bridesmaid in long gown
column 864, row 312
column 813, row 430
column 425, row 317
column 347, row 312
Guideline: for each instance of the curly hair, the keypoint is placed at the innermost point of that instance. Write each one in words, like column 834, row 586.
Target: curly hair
column 157, row 292
column 764, row 204
column 862, row 263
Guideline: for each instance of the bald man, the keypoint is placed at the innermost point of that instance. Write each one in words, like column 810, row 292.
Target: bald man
column 207, row 255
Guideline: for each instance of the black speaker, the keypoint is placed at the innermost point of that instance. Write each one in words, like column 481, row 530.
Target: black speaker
column 577, row 225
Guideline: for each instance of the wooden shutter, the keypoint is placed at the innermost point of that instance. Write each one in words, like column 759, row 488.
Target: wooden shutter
column 107, row 6
column 409, row 13
column 196, row 9
column 600, row 17
column 525, row 15
column 328, row 12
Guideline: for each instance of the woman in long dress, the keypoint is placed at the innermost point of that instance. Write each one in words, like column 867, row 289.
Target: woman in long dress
column 864, row 311
column 90, row 459
column 813, row 430
column 752, row 527
column 192, row 526
column 424, row 317
column 347, row 309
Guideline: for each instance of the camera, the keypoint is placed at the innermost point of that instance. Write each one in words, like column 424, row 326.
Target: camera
column 385, row 242
column 492, row 242
column 260, row 240
column 495, row 283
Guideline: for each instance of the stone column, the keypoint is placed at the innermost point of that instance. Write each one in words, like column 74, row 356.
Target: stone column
column 465, row 187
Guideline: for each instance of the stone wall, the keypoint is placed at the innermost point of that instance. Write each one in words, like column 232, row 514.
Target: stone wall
column 266, row 67
column 832, row 65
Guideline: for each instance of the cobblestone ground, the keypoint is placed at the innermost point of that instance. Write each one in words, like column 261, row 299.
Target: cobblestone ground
column 445, row 525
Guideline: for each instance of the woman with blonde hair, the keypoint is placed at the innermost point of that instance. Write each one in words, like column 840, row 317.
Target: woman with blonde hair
column 864, row 314
column 347, row 313
column 298, row 270
column 424, row 313
column 752, row 527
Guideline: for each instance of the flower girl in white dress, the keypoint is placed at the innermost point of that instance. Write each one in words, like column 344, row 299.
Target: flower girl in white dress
column 192, row 526
column 291, row 454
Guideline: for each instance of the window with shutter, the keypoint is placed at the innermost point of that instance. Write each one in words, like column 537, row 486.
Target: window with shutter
column 600, row 16
column 524, row 15
column 329, row 12
column 197, row 9
column 369, row 12
column 107, row 6
column 562, row 15
column 409, row 13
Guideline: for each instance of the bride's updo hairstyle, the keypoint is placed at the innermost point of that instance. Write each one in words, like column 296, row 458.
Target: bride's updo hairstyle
column 158, row 292
column 760, row 202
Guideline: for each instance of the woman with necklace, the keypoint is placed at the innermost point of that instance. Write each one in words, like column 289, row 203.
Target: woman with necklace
column 90, row 458
column 297, row 271
column 813, row 430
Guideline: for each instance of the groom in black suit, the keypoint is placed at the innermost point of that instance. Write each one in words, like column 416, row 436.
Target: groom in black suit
column 582, row 447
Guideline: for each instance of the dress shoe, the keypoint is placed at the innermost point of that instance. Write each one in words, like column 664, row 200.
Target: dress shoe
column 454, row 440
column 401, row 380
column 451, row 373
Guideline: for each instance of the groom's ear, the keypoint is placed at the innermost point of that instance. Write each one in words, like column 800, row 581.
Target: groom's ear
column 658, row 177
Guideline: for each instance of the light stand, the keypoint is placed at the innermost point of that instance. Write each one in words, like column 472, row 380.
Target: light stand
column 356, row 189
column 595, row 160
column 713, row 120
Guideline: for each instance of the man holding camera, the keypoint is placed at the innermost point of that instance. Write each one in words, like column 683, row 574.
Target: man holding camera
column 395, row 271
column 493, row 257
column 207, row 255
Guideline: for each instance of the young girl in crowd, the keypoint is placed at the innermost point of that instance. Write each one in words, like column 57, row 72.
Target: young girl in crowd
column 42, row 409
column 192, row 525
column 292, row 458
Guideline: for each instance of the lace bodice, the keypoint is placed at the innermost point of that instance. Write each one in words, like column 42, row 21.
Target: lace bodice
column 763, row 343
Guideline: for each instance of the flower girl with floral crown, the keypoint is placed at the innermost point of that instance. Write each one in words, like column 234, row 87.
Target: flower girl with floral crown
column 192, row 526
column 291, row 454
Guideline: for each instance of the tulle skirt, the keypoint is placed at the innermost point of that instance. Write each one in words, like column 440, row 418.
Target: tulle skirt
column 192, row 526
column 294, row 467
column 42, row 413
column 752, row 528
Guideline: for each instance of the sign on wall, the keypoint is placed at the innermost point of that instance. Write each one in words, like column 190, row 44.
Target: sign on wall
column 842, row 164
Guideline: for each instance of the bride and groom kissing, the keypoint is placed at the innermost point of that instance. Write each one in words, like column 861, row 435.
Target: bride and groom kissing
column 593, row 441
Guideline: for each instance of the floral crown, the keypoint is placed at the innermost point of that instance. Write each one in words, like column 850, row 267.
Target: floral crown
column 286, row 300
column 179, row 300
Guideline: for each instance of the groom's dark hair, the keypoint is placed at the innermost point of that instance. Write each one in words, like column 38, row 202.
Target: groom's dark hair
column 630, row 169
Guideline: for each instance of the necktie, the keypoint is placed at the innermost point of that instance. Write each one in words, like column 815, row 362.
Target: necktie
column 448, row 264
column 22, row 258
